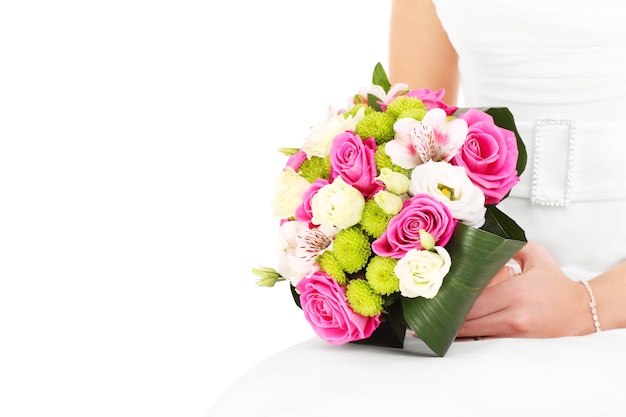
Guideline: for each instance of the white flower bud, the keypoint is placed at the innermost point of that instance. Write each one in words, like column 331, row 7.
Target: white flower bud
column 389, row 202
column 395, row 182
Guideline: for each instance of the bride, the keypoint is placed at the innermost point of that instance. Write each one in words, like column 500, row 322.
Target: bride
column 560, row 67
column 555, row 327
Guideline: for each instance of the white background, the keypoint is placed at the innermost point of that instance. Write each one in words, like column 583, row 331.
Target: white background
column 137, row 155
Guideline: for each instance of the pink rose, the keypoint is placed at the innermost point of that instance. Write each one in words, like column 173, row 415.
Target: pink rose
column 489, row 156
column 325, row 307
column 432, row 99
column 304, row 213
column 352, row 159
column 422, row 211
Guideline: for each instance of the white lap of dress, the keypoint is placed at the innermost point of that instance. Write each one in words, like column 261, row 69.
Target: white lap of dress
column 560, row 67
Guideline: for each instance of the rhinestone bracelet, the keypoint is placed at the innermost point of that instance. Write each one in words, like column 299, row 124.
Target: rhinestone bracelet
column 592, row 305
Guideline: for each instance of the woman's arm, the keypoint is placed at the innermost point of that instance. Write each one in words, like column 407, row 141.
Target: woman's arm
column 609, row 290
column 420, row 53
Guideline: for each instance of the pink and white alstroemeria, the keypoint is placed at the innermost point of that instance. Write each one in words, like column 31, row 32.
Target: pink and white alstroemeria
column 298, row 247
column 433, row 138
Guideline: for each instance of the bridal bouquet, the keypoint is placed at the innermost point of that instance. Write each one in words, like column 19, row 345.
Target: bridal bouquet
column 388, row 215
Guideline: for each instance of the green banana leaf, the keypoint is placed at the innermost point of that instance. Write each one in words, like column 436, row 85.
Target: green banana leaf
column 477, row 254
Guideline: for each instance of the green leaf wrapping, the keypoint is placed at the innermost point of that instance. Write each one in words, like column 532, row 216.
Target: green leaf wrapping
column 477, row 255
column 391, row 332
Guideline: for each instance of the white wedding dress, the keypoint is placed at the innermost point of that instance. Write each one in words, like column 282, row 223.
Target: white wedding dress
column 560, row 67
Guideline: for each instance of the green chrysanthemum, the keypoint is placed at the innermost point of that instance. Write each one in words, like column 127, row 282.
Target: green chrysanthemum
column 352, row 249
column 380, row 275
column 377, row 125
column 363, row 299
column 403, row 103
column 354, row 110
column 374, row 220
column 328, row 263
column 383, row 161
column 314, row 168
column 417, row 114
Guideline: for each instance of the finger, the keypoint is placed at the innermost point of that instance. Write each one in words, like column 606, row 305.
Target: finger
column 494, row 298
column 493, row 325
column 505, row 273
column 525, row 257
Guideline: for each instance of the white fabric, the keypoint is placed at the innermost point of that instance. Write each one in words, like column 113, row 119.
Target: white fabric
column 546, row 60
column 573, row 376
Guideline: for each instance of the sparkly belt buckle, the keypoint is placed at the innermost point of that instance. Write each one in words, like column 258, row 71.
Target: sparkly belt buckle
column 552, row 169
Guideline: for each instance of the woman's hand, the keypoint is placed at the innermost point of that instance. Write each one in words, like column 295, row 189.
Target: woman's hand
column 539, row 302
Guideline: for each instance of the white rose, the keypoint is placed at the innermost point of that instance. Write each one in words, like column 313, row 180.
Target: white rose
column 394, row 181
column 337, row 204
column 322, row 134
column 289, row 187
column 421, row 272
column 450, row 185
column 389, row 202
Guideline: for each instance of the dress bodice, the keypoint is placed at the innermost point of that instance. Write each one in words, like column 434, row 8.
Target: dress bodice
column 560, row 67
column 541, row 58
